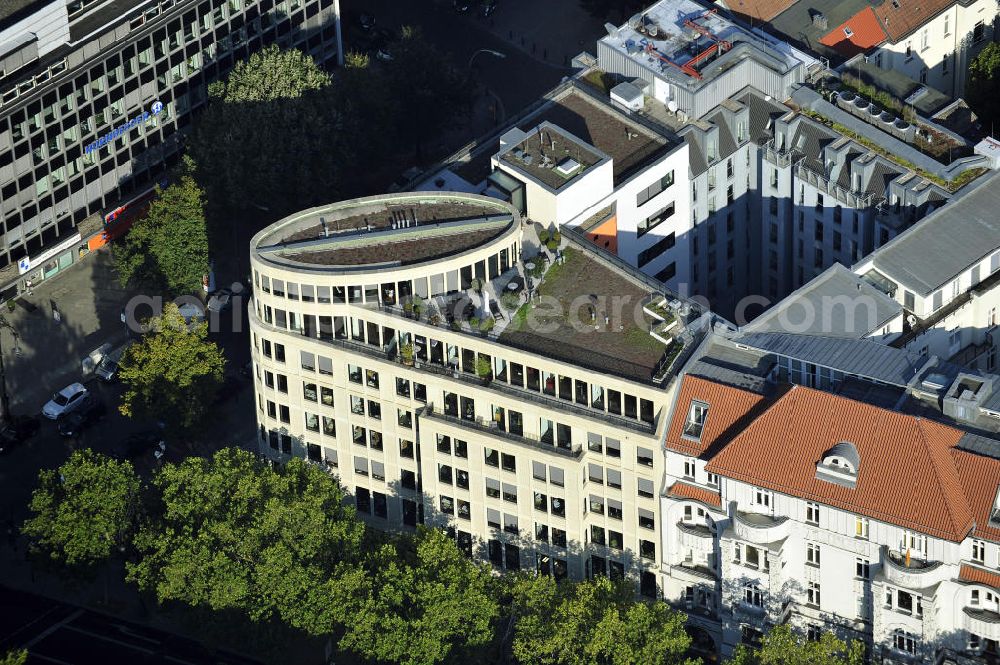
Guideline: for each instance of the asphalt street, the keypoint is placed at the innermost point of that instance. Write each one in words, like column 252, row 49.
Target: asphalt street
column 55, row 632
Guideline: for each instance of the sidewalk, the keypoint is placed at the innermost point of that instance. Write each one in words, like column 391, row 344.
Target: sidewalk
column 89, row 300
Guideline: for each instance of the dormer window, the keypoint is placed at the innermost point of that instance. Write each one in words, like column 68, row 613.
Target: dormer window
column 839, row 465
column 696, row 420
column 995, row 513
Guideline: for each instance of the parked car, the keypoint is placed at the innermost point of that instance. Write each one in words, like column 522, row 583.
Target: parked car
column 220, row 300
column 17, row 431
column 107, row 370
column 136, row 445
column 89, row 412
column 65, row 401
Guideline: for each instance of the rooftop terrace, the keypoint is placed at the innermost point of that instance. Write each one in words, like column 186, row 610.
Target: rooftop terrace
column 585, row 310
column 386, row 230
column 552, row 156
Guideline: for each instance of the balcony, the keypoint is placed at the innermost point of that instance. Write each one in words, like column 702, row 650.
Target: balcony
column 918, row 575
column 696, row 530
column 985, row 623
column 760, row 529
column 693, row 572
column 489, row 428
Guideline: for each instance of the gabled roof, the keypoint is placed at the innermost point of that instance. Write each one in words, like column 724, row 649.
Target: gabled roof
column 957, row 235
column 835, row 303
column 968, row 573
column 861, row 357
column 758, row 11
column 980, row 478
column 907, row 474
column 727, row 408
column 900, row 18
column 682, row 490
column 855, row 35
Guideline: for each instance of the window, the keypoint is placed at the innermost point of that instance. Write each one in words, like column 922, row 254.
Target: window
column 510, row 493
column 689, row 467
column 812, row 513
column 647, row 549
column 492, row 488
column 538, row 471
column 861, row 527
column 645, row 487
column 613, row 478
column 762, row 498
column 903, row 641
column 663, row 183
column 597, row 535
column 596, row 504
column 406, row 448
column 752, row 595
column 660, row 246
column 696, row 420
column 508, row 463
column 556, row 476
column 492, row 457
column 812, row 594
column 978, row 32
column 644, row 456
column 862, row 568
column 979, row 551
column 615, row 509
column 596, row 473
column 812, row 554
column 713, row 479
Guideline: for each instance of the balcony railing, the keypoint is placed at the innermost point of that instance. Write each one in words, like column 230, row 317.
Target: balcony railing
column 489, row 428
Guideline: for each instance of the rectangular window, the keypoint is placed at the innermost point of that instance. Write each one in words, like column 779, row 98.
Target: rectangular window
column 697, row 414
column 812, row 554
column 862, row 568
column 812, row 513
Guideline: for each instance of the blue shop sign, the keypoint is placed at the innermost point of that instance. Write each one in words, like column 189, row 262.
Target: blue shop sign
column 115, row 133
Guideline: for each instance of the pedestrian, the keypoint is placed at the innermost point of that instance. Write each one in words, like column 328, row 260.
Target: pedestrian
column 27, row 284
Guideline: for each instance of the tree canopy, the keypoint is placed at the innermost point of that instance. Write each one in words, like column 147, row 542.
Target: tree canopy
column 437, row 607
column 234, row 533
column 270, row 135
column 782, row 646
column 982, row 89
column 167, row 250
column 83, row 510
column 593, row 622
column 15, row 657
column 173, row 373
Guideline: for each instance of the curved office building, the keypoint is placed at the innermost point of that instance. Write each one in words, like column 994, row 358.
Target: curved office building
column 454, row 370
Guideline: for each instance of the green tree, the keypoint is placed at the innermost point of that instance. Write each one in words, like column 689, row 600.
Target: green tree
column 436, row 607
column 167, row 250
column 233, row 533
column 173, row 374
column 982, row 89
column 15, row 657
column 429, row 90
column 83, row 510
column 270, row 135
column 781, row 646
column 593, row 622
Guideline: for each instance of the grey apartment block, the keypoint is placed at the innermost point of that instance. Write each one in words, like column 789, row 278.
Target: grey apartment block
column 132, row 71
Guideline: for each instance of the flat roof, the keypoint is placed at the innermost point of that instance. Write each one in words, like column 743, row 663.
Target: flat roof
column 552, row 156
column 397, row 229
column 568, row 321
column 110, row 11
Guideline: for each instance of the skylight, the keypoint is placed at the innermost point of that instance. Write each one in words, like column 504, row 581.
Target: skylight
column 848, row 31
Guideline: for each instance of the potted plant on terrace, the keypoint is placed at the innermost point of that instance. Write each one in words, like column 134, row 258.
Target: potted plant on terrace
column 406, row 352
column 483, row 369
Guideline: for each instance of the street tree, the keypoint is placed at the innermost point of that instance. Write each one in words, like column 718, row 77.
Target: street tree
column 84, row 510
column 595, row 622
column 982, row 89
column 430, row 91
column 233, row 533
column 269, row 136
column 782, row 646
column 436, row 606
column 15, row 657
column 167, row 250
column 173, row 374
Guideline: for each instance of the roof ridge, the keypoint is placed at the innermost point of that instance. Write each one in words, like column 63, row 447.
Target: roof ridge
column 940, row 466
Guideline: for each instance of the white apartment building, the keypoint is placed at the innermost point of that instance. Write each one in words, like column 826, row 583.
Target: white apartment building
column 786, row 504
column 944, row 274
column 933, row 41
column 532, row 440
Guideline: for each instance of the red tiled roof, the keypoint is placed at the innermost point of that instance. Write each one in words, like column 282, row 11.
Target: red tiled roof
column 757, row 11
column 726, row 407
column 980, row 478
column 907, row 474
column 900, row 18
column 973, row 574
column 865, row 33
column 687, row 491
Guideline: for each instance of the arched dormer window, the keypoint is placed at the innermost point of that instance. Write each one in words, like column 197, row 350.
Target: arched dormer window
column 840, row 464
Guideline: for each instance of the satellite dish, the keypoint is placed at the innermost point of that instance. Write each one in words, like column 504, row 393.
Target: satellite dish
column 672, row 106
